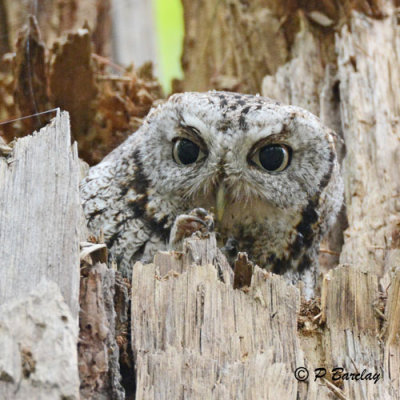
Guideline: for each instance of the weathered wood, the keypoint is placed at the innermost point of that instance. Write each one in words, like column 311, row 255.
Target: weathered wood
column 353, row 94
column 195, row 336
column 65, row 72
column 98, row 350
column 368, row 73
column 4, row 39
column 40, row 214
column 391, row 333
column 38, row 338
column 349, row 298
column 234, row 44
column 339, row 62
column 230, row 45
column 56, row 17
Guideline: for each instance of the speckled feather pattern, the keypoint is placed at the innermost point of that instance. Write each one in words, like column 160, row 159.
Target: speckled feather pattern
column 135, row 194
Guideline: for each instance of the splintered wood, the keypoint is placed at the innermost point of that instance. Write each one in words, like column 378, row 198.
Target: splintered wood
column 350, row 338
column 106, row 102
column 97, row 350
column 40, row 226
column 355, row 95
column 368, row 57
column 238, row 42
column 40, row 214
column 194, row 336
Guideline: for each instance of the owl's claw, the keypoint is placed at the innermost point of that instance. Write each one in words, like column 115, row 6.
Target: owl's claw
column 185, row 225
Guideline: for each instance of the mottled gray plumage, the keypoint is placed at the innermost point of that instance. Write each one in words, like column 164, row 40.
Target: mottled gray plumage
column 135, row 194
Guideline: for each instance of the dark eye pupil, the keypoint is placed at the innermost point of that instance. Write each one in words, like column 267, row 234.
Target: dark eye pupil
column 272, row 157
column 187, row 151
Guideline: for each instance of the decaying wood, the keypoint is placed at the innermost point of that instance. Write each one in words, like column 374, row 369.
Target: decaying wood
column 195, row 336
column 106, row 102
column 40, row 214
column 38, row 338
column 349, row 339
column 230, row 45
column 354, row 95
column 234, row 44
column 31, row 86
column 391, row 333
column 243, row 271
column 368, row 74
column 56, row 17
column 98, row 350
column 337, row 59
column 197, row 329
column 40, row 225
column 65, row 72
column 4, row 40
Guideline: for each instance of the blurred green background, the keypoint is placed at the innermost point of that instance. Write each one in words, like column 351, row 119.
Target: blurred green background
column 169, row 22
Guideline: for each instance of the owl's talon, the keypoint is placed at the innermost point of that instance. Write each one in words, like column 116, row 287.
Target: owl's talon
column 185, row 225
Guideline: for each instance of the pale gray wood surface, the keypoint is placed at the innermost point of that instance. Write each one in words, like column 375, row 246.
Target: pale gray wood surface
column 195, row 337
column 40, row 214
column 370, row 105
column 38, row 339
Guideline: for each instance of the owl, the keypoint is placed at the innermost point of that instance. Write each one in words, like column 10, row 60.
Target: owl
column 267, row 171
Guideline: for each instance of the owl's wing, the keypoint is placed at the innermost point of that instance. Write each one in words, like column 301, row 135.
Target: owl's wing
column 112, row 205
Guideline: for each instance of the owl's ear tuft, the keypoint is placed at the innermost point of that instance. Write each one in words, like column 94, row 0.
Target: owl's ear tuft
column 156, row 109
column 176, row 98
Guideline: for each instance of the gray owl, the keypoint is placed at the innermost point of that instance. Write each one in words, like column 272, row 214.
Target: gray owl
column 268, row 171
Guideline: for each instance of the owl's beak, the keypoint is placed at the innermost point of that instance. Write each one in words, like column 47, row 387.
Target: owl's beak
column 220, row 202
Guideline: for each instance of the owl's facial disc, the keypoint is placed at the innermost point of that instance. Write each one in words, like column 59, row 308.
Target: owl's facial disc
column 189, row 150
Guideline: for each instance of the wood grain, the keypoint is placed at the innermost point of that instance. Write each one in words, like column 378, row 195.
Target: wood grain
column 40, row 214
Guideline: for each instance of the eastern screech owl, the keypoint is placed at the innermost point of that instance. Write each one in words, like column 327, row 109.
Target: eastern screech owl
column 269, row 171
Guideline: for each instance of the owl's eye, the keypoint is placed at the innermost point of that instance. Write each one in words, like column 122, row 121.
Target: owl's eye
column 186, row 152
column 273, row 157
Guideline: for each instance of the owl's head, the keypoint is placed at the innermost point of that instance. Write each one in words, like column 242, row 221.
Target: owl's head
column 240, row 153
